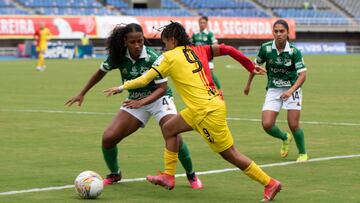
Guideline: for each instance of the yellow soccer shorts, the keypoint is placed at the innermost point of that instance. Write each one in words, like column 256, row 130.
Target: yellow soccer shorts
column 212, row 127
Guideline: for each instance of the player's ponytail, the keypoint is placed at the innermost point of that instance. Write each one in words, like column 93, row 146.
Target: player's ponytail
column 115, row 43
column 176, row 30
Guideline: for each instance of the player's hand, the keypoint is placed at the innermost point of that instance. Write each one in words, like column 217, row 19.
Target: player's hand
column 247, row 90
column 259, row 70
column 133, row 104
column 113, row 90
column 285, row 96
column 79, row 99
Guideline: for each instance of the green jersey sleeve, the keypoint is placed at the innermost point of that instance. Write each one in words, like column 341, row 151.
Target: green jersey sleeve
column 298, row 61
column 106, row 65
column 261, row 56
column 212, row 38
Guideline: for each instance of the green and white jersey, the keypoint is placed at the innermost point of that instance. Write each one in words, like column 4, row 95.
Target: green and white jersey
column 204, row 38
column 282, row 68
column 131, row 69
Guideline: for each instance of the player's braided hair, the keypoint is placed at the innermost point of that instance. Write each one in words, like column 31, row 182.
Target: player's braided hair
column 176, row 30
column 115, row 43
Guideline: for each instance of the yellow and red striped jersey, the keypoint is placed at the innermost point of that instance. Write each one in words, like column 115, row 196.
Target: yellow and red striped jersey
column 188, row 68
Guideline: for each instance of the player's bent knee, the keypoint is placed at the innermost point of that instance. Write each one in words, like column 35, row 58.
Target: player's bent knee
column 267, row 126
column 110, row 139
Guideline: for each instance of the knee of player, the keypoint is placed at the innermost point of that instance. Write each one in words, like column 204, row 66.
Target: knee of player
column 267, row 126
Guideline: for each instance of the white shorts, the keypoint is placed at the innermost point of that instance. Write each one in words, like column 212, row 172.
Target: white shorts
column 273, row 102
column 159, row 108
column 211, row 65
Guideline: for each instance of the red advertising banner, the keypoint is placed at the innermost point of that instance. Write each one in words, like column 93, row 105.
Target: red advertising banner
column 60, row 26
column 222, row 27
column 63, row 27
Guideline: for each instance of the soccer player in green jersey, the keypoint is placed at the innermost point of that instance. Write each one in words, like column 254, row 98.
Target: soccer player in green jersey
column 286, row 73
column 132, row 58
column 205, row 37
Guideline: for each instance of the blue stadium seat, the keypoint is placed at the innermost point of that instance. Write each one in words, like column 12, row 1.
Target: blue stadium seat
column 217, row 4
column 233, row 12
column 306, row 16
column 156, row 12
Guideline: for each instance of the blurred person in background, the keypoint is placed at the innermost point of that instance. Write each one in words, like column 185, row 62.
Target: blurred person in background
column 85, row 39
column 286, row 73
column 41, row 37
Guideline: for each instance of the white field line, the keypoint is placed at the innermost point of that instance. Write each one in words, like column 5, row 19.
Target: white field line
column 234, row 119
column 183, row 175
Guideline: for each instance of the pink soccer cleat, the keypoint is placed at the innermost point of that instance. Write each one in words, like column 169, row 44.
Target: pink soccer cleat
column 163, row 179
column 112, row 178
column 195, row 182
column 271, row 190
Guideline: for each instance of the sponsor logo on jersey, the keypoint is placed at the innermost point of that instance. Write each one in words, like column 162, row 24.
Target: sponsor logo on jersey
column 139, row 95
column 134, row 71
column 279, row 61
column 279, row 70
column 287, row 62
column 143, row 70
column 281, row 83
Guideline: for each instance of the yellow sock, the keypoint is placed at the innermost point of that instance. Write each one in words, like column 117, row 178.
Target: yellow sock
column 41, row 60
column 170, row 159
column 255, row 173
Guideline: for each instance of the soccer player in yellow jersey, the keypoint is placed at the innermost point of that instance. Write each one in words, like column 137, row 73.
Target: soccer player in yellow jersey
column 41, row 37
column 205, row 111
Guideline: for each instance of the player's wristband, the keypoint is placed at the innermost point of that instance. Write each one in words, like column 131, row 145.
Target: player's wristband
column 121, row 88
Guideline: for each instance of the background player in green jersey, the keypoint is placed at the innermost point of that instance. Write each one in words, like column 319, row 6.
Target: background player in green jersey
column 128, row 54
column 205, row 37
column 286, row 73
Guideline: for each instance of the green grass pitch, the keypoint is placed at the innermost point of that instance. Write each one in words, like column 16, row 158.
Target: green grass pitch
column 45, row 144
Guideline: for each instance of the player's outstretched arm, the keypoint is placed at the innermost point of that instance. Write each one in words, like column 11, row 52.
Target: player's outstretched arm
column 156, row 94
column 139, row 82
column 248, row 84
column 79, row 98
column 222, row 50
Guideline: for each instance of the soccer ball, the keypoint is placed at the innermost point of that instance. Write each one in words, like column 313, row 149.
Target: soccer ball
column 89, row 185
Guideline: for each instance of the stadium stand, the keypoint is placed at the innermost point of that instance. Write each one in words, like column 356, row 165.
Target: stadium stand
column 350, row 6
column 9, row 8
column 71, row 7
column 305, row 12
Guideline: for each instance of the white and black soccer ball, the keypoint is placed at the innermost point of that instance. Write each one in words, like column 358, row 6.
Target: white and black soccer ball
column 89, row 185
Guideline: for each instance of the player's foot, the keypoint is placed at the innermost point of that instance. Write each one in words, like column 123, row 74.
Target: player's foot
column 194, row 181
column 112, row 178
column 284, row 151
column 302, row 158
column 271, row 190
column 162, row 179
column 41, row 69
